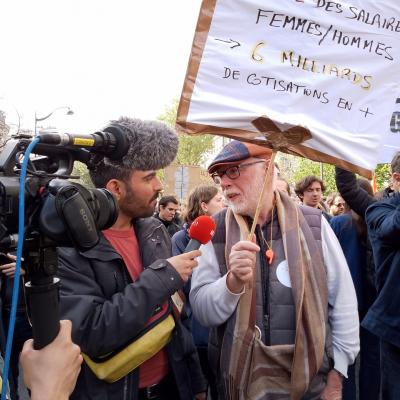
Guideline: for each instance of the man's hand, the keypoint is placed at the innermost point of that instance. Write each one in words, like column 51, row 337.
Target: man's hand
column 51, row 372
column 8, row 268
column 184, row 263
column 333, row 388
column 201, row 396
column 241, row 264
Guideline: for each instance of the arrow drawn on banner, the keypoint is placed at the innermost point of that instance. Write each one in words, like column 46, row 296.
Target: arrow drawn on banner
column 230, row 41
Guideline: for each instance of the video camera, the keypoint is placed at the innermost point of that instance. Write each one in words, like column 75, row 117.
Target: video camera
column 57, row 213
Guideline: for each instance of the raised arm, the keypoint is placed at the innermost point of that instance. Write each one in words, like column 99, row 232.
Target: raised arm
column 355, row 196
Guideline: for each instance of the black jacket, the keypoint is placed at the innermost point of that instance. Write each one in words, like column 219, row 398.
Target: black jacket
column 359, row 200
column 355, row 196
column 108, row 311
column 172, row 226
column 383, row 318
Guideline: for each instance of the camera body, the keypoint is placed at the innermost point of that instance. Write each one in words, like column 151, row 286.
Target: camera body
column 64, row 213
column 57, row 212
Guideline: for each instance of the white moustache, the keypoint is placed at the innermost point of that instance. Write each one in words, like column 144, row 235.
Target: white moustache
column 229, row 193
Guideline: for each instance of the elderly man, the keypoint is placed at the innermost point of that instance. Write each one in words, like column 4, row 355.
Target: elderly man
column 282, row 306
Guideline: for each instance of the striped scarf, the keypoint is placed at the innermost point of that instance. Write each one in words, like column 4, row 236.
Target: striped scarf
column 251, row 370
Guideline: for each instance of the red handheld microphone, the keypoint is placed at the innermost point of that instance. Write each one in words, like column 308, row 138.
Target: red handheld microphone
column 200, row 232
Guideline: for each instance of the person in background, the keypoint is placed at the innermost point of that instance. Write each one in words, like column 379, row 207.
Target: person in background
column 310, row 190
column 378, row 295
column 382, row 320
column 167, row 209
column 383, row 317
column 336, row 204
column 394, row 184
column 178, row 220
column 351, row 231
column 203, row 200
column 359, row 199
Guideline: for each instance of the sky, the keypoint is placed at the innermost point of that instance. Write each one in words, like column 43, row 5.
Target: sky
column 103, row 59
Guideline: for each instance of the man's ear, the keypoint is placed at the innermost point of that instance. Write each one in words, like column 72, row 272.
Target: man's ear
column 116, row 187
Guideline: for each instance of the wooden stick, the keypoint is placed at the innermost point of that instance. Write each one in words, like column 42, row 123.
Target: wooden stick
column 267, row 181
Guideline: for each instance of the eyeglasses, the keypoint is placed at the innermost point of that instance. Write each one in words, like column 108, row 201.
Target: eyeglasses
column 340, row 204
column 231, row 172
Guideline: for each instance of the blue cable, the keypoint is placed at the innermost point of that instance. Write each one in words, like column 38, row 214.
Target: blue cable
column 21, row 224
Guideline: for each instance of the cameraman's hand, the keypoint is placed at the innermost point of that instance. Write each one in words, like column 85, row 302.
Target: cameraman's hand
column 51, row 372
column 184, row 263
column 8, row 269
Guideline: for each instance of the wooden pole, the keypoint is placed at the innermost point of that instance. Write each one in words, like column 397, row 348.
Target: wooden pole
column 267, row 181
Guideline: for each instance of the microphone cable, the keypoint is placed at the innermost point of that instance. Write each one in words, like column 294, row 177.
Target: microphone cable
column 14, row 302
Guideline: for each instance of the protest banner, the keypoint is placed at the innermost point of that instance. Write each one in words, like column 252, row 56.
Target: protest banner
column 391, row 143
column 314, row 78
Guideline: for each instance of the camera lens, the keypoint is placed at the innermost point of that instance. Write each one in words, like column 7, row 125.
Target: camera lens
column 105, row 208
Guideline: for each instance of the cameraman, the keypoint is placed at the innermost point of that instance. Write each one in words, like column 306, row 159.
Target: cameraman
column 114, row 290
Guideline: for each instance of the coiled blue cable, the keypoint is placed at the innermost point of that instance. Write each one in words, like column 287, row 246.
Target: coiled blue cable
column 21, row 224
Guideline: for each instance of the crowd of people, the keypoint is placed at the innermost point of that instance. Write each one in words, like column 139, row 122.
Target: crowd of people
column 304, row 308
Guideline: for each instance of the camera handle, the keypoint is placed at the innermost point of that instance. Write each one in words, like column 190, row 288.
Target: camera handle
column 43, row 296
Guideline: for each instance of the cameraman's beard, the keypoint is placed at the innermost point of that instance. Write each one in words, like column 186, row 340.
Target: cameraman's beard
column 137, row 207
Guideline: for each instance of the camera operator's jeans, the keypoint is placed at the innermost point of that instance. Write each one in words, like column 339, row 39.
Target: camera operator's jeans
column 390, row 371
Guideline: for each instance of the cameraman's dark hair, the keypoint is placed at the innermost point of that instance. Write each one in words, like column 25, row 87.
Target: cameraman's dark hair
column 395, row 164
column 196, row 197
column 167, row 199
column 152, row 146
column 307, row 181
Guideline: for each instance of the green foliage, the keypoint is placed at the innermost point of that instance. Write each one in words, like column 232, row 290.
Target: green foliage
column 81, row 170
column 382, row 173
column 193, row 150
column 324, row 171
column 295, row 168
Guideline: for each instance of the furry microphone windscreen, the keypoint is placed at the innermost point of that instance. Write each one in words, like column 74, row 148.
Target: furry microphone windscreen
column 202, row 229
column 152, row 144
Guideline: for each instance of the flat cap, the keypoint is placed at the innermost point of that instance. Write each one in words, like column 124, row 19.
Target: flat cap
column 235, row 152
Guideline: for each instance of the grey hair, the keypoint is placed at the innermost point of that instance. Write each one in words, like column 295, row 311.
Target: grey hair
column 152, row 146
